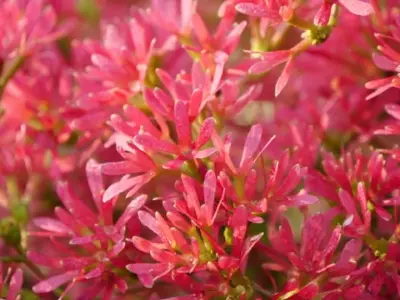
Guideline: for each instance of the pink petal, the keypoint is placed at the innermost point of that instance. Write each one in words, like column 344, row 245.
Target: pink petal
column 311, row 237
column 119, row 187
column 209, row 187
column 50, row 284
column 200, row 30
column 149, row 221
column 148, row 273
column 384, row 63
column 238, row 222
column 52, row 225
column 15, row 285
column 304, row 199
column 284, row 77
column 182, row 124
column 256, row 10
column 393, row 110
column 132, row 208
column 205, row 133
column 95, row 181
column 148, row 142
column 122, row 168
column 191, row 194
column 358, row 7
column 251, row 144
column 269, row 61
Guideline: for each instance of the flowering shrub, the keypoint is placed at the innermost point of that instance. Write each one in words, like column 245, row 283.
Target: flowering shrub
column 183, row 149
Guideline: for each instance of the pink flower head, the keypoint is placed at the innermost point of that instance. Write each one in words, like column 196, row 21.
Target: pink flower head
column 95, row 243
column 375, row 180
column 389, row 60
column 181, row 247
column 316, row 254
column 26, row 28
column 121, row 66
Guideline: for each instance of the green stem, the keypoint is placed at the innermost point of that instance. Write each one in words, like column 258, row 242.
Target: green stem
column 10, row 72
column 28, row 263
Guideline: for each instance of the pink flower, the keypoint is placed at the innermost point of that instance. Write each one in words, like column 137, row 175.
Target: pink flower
column 389, row 61
column 315, row 256
column 95, row 243
column 26, row 28
column 188, row 243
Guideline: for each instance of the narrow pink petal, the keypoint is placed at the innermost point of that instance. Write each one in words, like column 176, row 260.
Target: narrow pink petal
column 50, row 284
column 200, row 30
column 248, row 245
column 204, row 153
column 52, row 225
column 284, row 77
column 233, row 38
column 178, row 221
column 311, row 237
column 15, row 285
column 393, row 110
column 154, row 102
column 188, row 7
column 209, row 187
column 191, row 194
column 332, row 244
column 174, row 164
column 196, row 103
column 384, row 63
column 251, row 145
column 122, row 168
column 382, row 213
column 283, row 241
column 238, row 223
column 271, row 60
column 182, row 124
column 148, row 273
column 379, row 91
column 148, row 142
column 95, row 181
column 304, row 199
column 205, row 133
column 139, row 118
column 358, row 7
column 132, row 208
column 291, row 181
column 256, row 10
column 119, row 187
column 149, row 221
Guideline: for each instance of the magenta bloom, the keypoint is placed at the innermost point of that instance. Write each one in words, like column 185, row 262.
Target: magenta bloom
column 94, row 242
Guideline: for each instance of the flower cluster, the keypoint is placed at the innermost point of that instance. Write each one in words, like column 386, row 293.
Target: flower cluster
column 184, row 150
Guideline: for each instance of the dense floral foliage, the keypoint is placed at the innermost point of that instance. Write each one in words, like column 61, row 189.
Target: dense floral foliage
column 183, row 149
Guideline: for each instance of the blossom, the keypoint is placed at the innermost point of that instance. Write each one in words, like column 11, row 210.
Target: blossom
column 95, row 243
column 27, row 26
column 187, row 242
